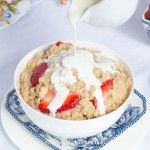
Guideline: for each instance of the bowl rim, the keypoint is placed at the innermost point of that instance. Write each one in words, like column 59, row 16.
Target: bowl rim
column 144, row 20
column 72, row 121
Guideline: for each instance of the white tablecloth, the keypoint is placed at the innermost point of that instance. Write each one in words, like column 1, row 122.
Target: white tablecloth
column 47, row 22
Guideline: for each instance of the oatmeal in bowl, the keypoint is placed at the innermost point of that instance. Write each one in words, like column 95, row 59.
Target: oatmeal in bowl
column 67, row 87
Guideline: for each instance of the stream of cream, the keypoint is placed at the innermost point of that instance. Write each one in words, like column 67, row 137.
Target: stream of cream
column 75, row 39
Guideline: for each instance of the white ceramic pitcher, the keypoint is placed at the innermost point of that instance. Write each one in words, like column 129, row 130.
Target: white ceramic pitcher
column 103, row 13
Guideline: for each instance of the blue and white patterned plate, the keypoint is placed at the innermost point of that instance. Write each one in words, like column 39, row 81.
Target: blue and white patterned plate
column 136, row 109
column 22, row 8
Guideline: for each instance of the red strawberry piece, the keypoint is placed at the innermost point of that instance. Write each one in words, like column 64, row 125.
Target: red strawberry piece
column 71, row 101
column 37, row 73
column 105, row 87
column 44, row 110
column 59, row 43
column 147, row 15
column 94, row 101
column 46, row 101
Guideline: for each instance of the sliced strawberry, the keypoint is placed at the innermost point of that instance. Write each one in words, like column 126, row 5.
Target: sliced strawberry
column 59, row 43
column 105, row 87
column 46, row 101
column 37, row 73
column 147, row 15
column 44, row 109
column 94, row 101
column 71, row 101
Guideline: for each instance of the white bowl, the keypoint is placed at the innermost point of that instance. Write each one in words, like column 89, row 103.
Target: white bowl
column 67, row 128
column 146, row 23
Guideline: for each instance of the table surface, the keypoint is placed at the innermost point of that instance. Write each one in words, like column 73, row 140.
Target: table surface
column 47, row 22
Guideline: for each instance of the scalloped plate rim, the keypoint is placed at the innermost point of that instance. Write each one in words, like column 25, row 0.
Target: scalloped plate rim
column 4, row 127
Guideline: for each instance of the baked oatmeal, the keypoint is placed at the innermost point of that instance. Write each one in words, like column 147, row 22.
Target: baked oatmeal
column 62, row 85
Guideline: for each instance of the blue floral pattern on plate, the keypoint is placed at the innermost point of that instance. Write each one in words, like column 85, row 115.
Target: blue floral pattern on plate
column 131, row 115
column 22, row 8
column 7, row 14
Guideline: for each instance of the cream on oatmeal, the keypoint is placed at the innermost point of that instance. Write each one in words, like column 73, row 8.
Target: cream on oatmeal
column 95, row 76
column 84, row 63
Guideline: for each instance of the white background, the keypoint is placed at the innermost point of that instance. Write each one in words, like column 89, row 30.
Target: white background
column 47, row 22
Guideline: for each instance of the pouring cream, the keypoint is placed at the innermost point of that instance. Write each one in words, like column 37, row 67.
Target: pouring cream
column 76, row 11
column 78, row 8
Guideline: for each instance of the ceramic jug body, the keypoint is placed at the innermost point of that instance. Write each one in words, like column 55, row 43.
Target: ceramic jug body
column 102, row 13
